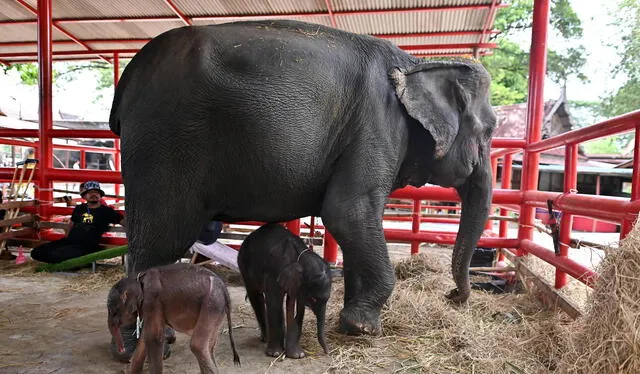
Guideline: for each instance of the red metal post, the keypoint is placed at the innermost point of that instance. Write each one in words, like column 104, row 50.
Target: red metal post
column 415, row 225
column 83, row 159
column 294, row 226
column 312, row 229
column 507, row 172
column 116, row 143
column 627, row 225
column 330, row 248
column 566, row 222
column 45, row 190
column 494, row 175
column 594, row 222
column 535, row 111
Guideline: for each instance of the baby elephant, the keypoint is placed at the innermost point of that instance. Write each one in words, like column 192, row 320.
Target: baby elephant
column 275, row 262
column 189, row 298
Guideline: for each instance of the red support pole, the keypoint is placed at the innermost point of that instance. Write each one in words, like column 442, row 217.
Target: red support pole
column 45, row 187
column 535, row 112
column 594, row 222
column 312, row 229
column 494, row 175
column 415, row 225
column 294, row 226
column 627, row 225
column 330, row 248
column 83, row 159
column 116, row 143
column 566, row 222
column 507, row 172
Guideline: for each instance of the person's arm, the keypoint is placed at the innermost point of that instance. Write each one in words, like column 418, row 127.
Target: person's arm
column 117, row 217
column 75, row 216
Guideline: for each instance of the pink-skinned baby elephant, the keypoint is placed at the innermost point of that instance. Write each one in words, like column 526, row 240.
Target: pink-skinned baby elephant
column 189, row 298
column 274, row 263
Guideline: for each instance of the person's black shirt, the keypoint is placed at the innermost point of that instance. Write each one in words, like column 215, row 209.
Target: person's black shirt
column 90, row 223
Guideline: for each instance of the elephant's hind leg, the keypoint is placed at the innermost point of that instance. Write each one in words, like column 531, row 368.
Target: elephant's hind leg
column 257, row 302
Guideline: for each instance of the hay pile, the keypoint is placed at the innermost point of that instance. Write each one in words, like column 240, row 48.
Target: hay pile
column 608, row 338
column 87, row 282
column 423, row 332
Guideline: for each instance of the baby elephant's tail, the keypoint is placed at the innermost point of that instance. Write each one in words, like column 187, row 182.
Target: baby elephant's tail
column 236, row 358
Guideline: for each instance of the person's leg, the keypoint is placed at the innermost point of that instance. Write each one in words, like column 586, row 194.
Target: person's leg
column 47, row 252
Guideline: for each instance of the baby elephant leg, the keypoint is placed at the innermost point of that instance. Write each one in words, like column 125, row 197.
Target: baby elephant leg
column 275, row 321
column 293, row 348
column 137, row 360
column 153, row 335
column 205, row 337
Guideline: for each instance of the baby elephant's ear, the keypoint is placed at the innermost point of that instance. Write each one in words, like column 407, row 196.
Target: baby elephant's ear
column 289, row 278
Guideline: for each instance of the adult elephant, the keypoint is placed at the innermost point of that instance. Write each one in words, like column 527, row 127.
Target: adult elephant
column 272, row 121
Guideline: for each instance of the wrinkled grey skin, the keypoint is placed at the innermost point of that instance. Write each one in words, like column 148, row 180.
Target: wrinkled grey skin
column 273, row 121
column 274, row 263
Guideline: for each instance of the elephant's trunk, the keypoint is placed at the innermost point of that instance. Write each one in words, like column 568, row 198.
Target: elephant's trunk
column 320, row 313
column 115, row 332
column 476, row 201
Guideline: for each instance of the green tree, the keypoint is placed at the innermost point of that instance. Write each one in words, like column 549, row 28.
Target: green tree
column 508, row 65
column 67, row 71
column 626, row 98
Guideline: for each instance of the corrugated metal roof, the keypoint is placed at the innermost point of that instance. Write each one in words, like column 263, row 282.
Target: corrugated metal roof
column 121, row 30
column 124, row 25
column 11, row 10
column 339, row 5
column 416, row 22
column 255, row 7
column 106, row 8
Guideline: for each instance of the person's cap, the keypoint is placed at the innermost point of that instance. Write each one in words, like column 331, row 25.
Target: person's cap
column 90, row 185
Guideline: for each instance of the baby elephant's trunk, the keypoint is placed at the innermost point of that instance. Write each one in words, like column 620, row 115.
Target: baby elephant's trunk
column 320, row 315
column 115, row 332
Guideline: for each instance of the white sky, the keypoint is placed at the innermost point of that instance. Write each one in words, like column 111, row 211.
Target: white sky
column 77, row 97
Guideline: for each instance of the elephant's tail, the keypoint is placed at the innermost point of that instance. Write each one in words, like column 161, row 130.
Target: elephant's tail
column 236, row 358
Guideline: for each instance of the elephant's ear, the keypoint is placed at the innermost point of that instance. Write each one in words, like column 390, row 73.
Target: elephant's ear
column 290, row 277
column 432, row 95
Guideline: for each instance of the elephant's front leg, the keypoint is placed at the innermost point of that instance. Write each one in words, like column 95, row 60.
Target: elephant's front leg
column 292, row 342
column 356, row 223
column 275, row 319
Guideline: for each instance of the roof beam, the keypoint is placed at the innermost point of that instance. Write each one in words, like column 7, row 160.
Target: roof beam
column 178, row 13
column 487, row 22
column 330, row 11
column 264, row 16
column 55, row 24
column 431, row 55
column 146, row 40
column 69, row 53
column 431, row 34
column 124, row 51
column 445, row 46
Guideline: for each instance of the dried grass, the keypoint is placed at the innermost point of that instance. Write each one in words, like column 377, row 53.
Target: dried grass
column 424, row 333
column 90, row 282
column 607, row 339
column 10, row 269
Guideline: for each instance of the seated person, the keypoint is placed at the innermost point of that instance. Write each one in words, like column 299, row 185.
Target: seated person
column 89, row 221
